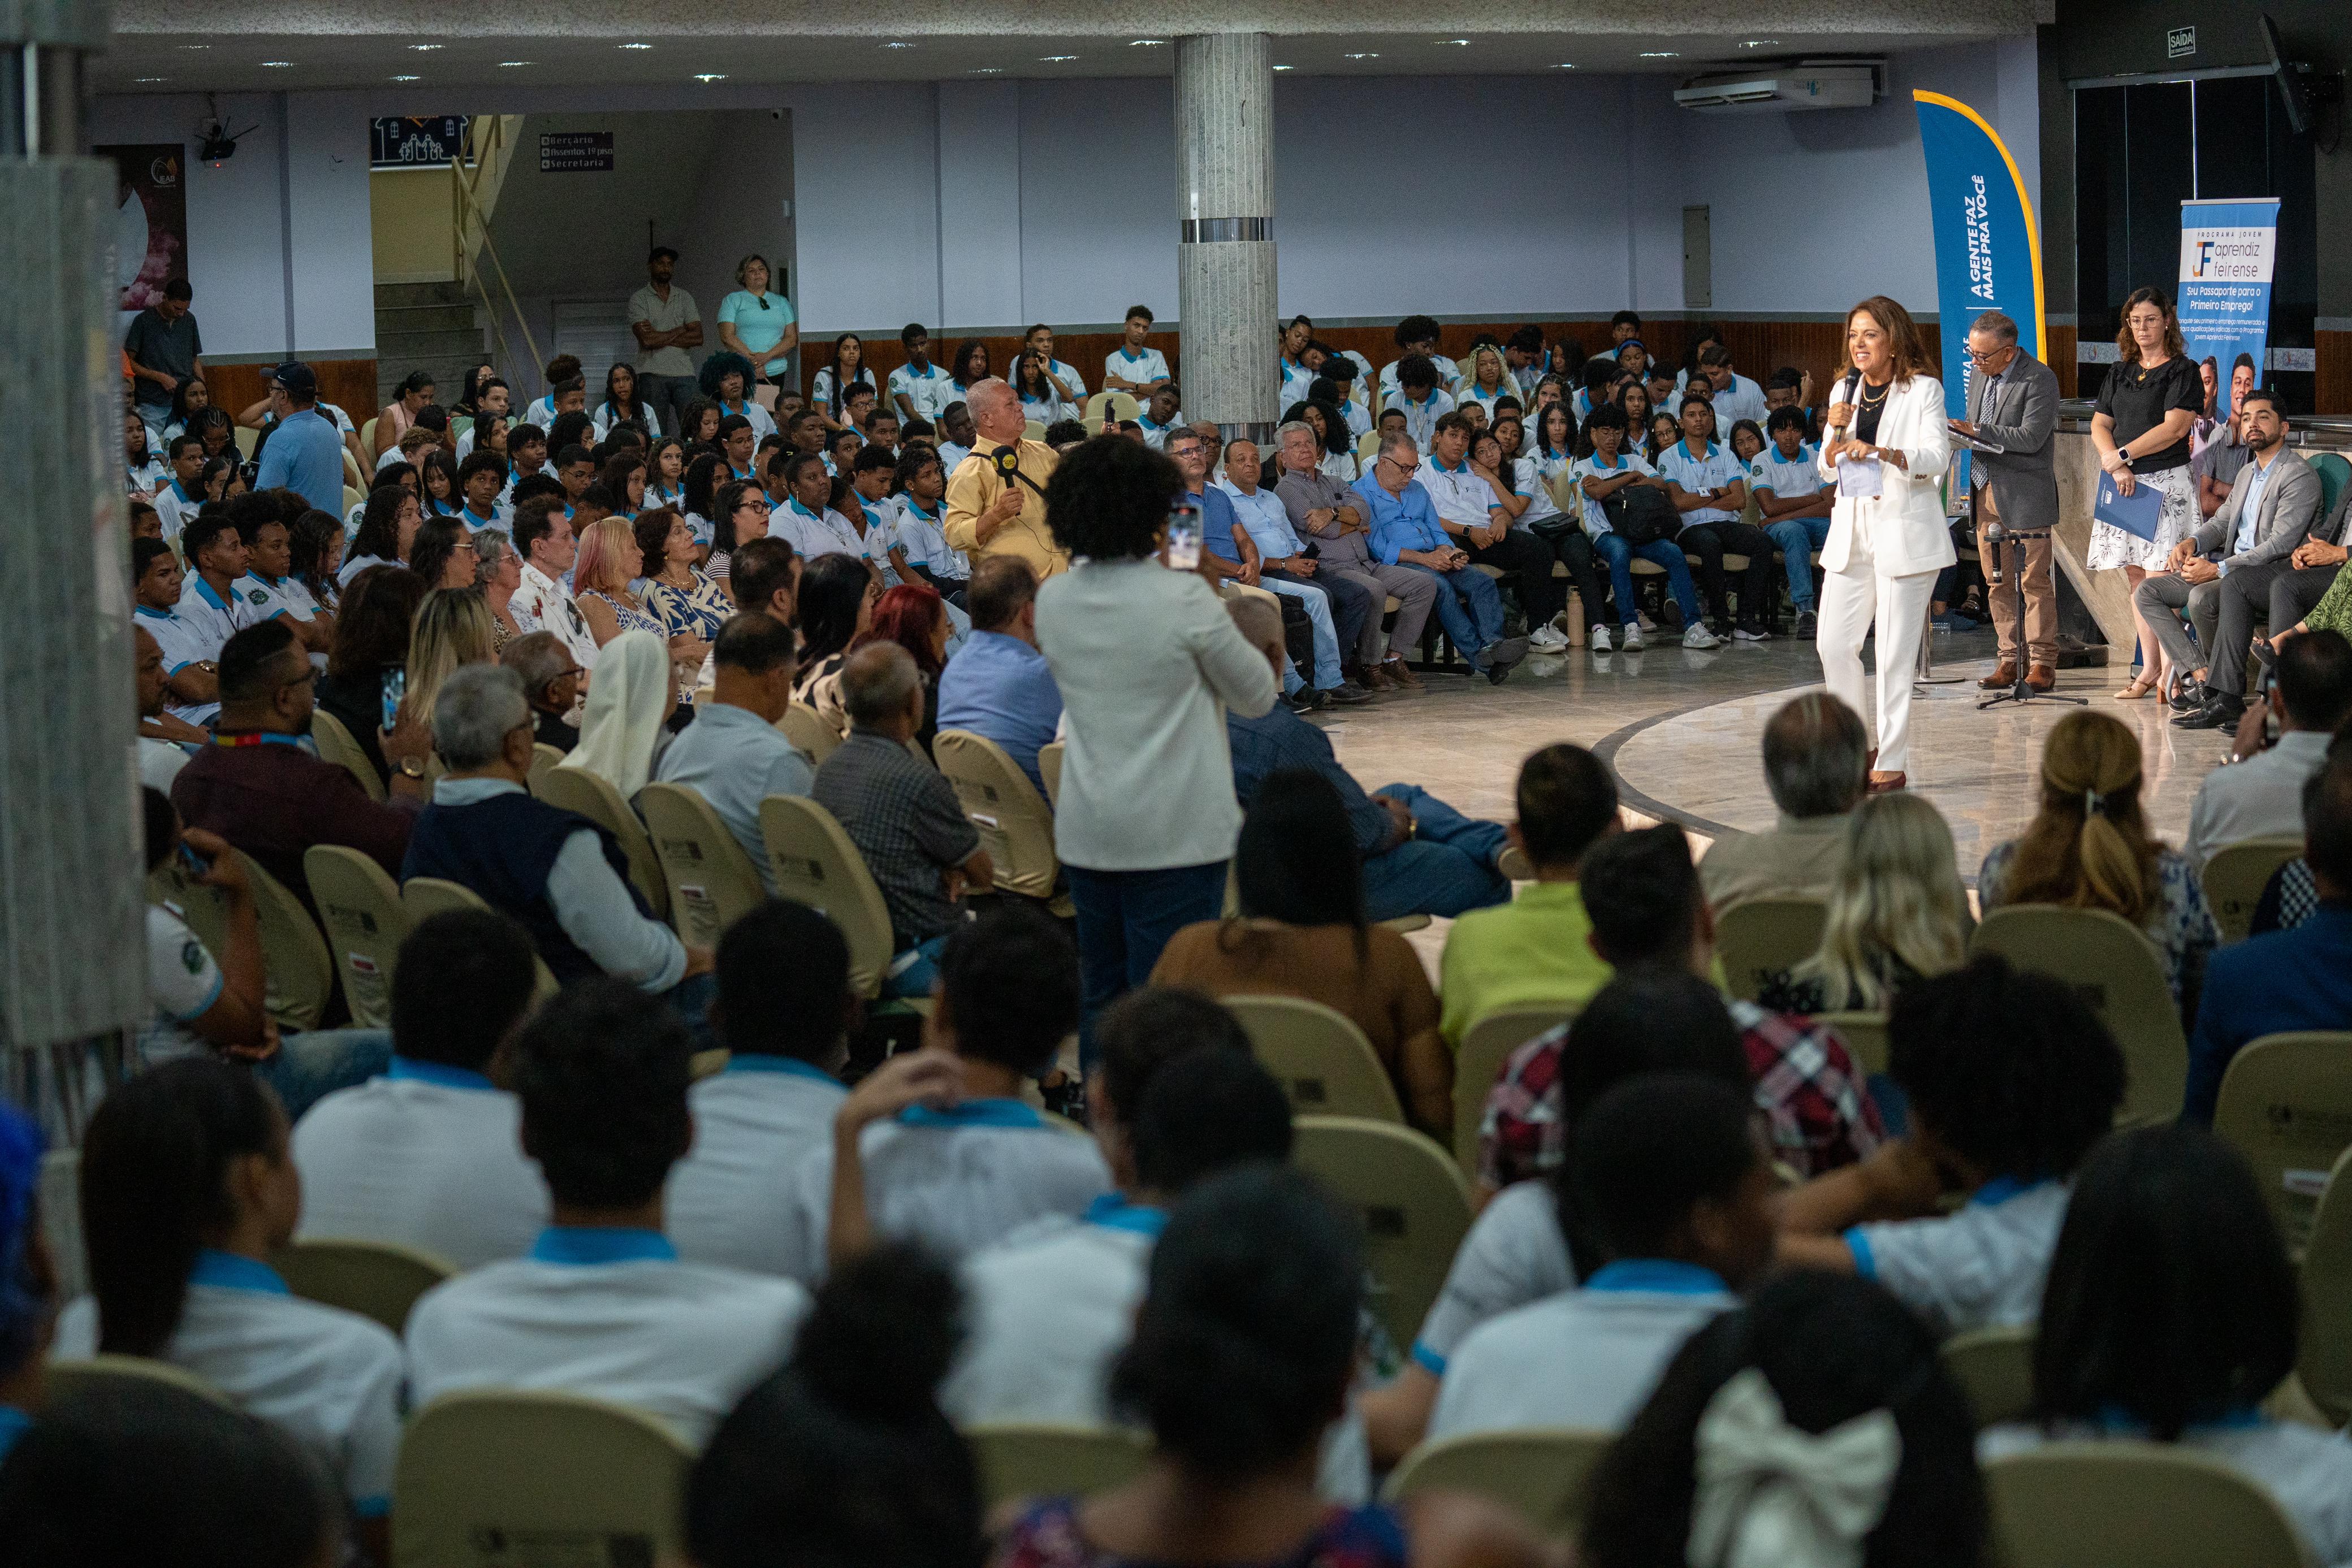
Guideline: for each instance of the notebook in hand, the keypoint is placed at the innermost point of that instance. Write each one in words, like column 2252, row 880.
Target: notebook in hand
column 2137, row 513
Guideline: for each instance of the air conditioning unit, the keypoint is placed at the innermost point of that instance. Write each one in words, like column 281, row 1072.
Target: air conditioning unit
column 1784, row 90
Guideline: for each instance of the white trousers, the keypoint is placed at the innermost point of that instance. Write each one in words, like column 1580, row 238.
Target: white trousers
column 1851, row 599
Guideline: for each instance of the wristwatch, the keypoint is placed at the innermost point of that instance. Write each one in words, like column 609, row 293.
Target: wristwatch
column 410, row 767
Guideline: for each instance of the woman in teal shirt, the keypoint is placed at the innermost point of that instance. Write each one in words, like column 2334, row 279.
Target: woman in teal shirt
column 757, row 324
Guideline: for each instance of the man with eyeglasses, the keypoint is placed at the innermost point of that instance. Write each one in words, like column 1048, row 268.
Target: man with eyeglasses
column 551, row 685
column 1407, row 532
column 262, row 786
column 2013, row 404
column 543, row 537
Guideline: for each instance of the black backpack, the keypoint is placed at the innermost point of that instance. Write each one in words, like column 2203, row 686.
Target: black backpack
column 1640, row 515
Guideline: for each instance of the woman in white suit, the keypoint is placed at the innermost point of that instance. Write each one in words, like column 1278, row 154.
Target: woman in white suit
column 1884, row 547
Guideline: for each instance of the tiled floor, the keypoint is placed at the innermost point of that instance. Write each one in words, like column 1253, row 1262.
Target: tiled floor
column 1681, row 730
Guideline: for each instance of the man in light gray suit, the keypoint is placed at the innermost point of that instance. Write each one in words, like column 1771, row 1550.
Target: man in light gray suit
column 2272, row 505
column 2013, row 404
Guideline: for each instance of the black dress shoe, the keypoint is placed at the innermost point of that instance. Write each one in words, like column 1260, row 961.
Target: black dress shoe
column 2219, row 712
column 2191, row 696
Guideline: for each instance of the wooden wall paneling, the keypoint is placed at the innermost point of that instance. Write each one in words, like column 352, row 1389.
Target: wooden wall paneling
column 349, row 384
column 2331, row 390
column 2063, row 343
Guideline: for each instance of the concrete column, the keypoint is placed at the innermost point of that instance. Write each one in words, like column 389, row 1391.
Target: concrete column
column 1224, row 260
column 72, row 938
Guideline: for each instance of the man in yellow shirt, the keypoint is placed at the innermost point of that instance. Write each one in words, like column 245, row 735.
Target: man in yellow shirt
column 989, row 514
column 1534, row 949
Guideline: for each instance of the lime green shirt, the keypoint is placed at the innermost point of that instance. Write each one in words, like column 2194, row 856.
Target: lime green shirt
column 1530, row 950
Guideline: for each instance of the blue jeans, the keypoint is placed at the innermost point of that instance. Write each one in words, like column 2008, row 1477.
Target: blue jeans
column 1797, row 538
column 914, row 972
column 690, row 999
column 1660, row 552
column 313, row 1064
column 1446, row 868
column 1470, row 608
column 1124, row 918
column 1317, row 605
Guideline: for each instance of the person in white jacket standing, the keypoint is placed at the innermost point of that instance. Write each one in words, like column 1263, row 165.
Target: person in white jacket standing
column 1886, row 448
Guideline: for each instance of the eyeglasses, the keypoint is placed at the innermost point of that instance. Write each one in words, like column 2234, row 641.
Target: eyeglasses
column 753, row 506
column 1407, row 472
column 1982, row 356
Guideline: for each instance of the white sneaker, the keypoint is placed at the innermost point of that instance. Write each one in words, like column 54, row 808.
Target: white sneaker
column 1700, row 638
column 1546, row 639
column 1633, row 643
column 1599, row 641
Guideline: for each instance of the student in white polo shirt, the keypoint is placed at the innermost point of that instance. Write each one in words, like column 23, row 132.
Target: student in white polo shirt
column 1671, row 1178
column 920, row 389
column 785, row 1012
column 481, row 480
column 1708, row 485
column 1162, row 412
column 187, row 1187
column 210, row 607
column 936, row 1145
column 191, row 672
column 427, row 1155
column 269, row 590
column 601, row 1304
column 2011, row 1080
column 1135, row 368
column 1175, row 1097
column 1794, row 503
column 176, row 499
column 1417, row 336
column 1419, row 398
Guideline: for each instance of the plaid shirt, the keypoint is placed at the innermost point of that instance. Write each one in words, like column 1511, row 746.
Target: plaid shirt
column 1805, row 1083
column 907, row 825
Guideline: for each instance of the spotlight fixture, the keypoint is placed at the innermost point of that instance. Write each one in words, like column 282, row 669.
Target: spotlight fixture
column 150, row 78
column 191, row 48
column 1457, row 43
column 987, row 70
column 1564, row 66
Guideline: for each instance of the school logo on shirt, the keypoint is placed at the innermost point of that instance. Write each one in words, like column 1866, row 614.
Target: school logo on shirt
column 256, row 595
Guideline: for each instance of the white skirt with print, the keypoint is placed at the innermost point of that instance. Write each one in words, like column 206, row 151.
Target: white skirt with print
column 2112, row 546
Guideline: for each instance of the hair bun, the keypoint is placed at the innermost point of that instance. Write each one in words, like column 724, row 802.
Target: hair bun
column 882, row 1334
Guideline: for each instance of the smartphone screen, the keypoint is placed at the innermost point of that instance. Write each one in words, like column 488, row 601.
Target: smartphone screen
column 1184, row 543
column 395, row 686
column 197, row 865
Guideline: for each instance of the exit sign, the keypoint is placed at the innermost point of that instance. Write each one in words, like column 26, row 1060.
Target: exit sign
column 2180, row 41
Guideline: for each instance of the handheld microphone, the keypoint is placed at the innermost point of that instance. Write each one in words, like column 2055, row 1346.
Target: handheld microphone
column 1008, row 464
column 1995, row 536
column 1845, row 393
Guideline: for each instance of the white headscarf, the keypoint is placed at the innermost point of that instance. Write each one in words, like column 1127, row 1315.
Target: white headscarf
column 629, row 700
column 1770, row 1495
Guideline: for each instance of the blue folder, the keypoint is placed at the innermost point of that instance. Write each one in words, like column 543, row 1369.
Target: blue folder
column 2138, row 513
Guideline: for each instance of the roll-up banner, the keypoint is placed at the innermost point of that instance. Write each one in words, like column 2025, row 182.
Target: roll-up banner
column 2227, row 251
column 1988, row 251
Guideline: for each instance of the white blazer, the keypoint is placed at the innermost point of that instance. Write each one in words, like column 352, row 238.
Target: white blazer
column 1908, row 531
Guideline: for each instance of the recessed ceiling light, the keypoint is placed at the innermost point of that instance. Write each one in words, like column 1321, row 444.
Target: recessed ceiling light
column 1458, row 43
column 988, row 71
column 1660, row 55
column 150, row 78
column 1564, row 66
column 194, row 46
column 1369, row 57
column 1284, row 68
column 408, row 78
column 421, row 48
column 1759, row 43
column 509, row 65
column 708, row 76
column 1055, row 59
column 897, row 44
column 636, row 46
column 279, row 65
column 1145, row 43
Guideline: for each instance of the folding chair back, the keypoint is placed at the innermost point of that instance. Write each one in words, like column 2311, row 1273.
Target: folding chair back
column 1864, row 1034
column 1415, row 1203
column 377, row 1280
column 712, row 882
column 592, row 796
column 2115, row 969
column 68, row 1377
column 2323, row 1365
column 337, row 745
column 2287, row 1105
column 1117, row 405
column 300, row 976
column 806, row 728
column 543, row 757
column 1319, row 1056
column 1541, row 1474
column 1016, row 825
column 814, row 863
column 603, row 1484
column 1022, row 1459
column 360, row 907
column 1049, row 767
column 1758, row 939
column 1486, row 1045
column 1034, row 430
column 1994, row 1368
column 2234, row 879
column 2133, row 1505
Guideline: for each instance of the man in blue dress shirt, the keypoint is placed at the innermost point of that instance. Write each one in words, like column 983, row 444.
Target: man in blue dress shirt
column 998, row 684
column 1407, row 532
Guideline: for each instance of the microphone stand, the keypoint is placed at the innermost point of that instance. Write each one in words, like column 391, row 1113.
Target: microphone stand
column 1995, row 536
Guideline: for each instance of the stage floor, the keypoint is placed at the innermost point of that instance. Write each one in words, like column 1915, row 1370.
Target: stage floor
column 1681, row 731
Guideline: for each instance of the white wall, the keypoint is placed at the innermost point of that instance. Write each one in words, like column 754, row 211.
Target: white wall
column 237, row 223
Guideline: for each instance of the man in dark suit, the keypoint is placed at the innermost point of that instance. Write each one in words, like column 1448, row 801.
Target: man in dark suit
column 2013, row 404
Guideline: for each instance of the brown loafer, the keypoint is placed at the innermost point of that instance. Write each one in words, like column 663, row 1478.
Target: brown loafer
column 2004, row 674
column 1887, row 783
column 2041, row 677
column 1376, row 679
column 1398, row 670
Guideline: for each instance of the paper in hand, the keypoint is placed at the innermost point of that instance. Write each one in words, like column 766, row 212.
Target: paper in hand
column 1861, row 478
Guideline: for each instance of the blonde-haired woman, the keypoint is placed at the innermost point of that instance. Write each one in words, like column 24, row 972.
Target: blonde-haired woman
column 1486, row 379
column 1886, row 448
column 1896, row 912
column 2088, row 848
column 454, row 627
column 2148, row 405
column 609, row 560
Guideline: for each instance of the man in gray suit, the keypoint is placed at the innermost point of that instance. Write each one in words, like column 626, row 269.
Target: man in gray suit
column 2272, row 505
column 2013, row 404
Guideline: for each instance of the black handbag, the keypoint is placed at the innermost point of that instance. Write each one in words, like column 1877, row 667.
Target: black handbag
column 1640, row 515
